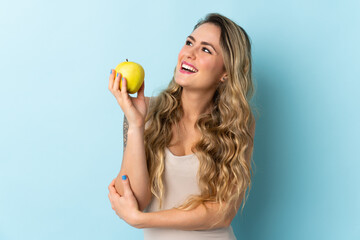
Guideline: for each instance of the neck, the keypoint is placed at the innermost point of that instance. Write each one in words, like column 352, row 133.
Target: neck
column 195, row 104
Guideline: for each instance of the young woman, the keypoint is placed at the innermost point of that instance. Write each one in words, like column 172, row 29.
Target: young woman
column 187, row 158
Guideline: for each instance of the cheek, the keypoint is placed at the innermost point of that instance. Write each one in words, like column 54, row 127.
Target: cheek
column 181, row 53
column 210, row 65
column 212, row 69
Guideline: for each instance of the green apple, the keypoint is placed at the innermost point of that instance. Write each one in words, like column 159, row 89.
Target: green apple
column 134, row 74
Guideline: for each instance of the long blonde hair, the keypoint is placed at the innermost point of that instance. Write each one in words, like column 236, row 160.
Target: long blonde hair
column 224, row 172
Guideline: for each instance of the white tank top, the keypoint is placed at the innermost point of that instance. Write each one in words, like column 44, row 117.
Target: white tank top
column 180, row 181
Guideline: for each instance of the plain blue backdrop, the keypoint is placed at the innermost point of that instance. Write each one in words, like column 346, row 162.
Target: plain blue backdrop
column 61, row 129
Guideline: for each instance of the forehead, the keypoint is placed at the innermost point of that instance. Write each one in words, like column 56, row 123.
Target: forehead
column 208, row 32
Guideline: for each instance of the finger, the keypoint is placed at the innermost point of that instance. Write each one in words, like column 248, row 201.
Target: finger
column 141, row 90
column 124, row 86
column 112, row 190
column 111, row 79
column 116, row 86
column 112, row 184
column 114, row 196
column 126, row 184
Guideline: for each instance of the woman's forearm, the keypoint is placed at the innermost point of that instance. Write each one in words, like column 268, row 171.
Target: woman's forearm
column 135, row 167
column 199, row 218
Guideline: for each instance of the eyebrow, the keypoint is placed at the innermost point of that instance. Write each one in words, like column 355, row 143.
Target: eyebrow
column 204, row 43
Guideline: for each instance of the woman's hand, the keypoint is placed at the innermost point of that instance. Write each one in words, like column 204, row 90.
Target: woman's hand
column 126, row 207
column 135, row 109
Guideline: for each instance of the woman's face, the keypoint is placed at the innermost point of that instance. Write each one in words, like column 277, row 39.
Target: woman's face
column 203, row 53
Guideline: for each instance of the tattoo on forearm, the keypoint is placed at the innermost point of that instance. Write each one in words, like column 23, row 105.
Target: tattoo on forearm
column 125, row 131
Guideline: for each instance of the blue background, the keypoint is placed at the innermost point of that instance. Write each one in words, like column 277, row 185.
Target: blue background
column 61, row 129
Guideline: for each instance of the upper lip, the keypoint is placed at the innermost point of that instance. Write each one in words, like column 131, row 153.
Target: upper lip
column 183, row 62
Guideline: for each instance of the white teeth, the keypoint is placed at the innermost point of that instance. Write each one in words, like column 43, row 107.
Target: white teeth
column 189, row 68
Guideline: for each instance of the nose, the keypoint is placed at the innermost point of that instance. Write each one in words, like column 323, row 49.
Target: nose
column 191, row 53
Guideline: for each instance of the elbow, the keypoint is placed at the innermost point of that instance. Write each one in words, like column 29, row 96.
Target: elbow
column 227, row 223
column 145, row 203
column 213, row 219
column 224, row 223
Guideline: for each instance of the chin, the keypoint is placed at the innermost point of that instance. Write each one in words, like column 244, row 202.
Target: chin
column 179, row 81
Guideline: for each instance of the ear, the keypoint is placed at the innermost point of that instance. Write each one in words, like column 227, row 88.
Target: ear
column 224, row 77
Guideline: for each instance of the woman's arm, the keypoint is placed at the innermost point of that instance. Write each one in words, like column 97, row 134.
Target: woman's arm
column 134, row 160
column 134, row 164
column 199, row 218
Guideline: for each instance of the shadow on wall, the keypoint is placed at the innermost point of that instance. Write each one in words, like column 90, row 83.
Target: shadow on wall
column 252, row 223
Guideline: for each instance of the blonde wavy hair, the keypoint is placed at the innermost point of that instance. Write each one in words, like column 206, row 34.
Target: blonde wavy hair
column 224, row 172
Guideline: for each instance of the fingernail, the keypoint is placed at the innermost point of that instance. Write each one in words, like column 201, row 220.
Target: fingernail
column 117, row 74
column 123, row 177
column 123, row 78
column 110, row 71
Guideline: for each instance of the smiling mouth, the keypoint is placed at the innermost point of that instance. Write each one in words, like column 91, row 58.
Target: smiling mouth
column 185, row 71
column 187, row 68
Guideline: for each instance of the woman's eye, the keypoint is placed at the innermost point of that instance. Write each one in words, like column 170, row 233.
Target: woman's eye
column 207, row 50
column 188, row 43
